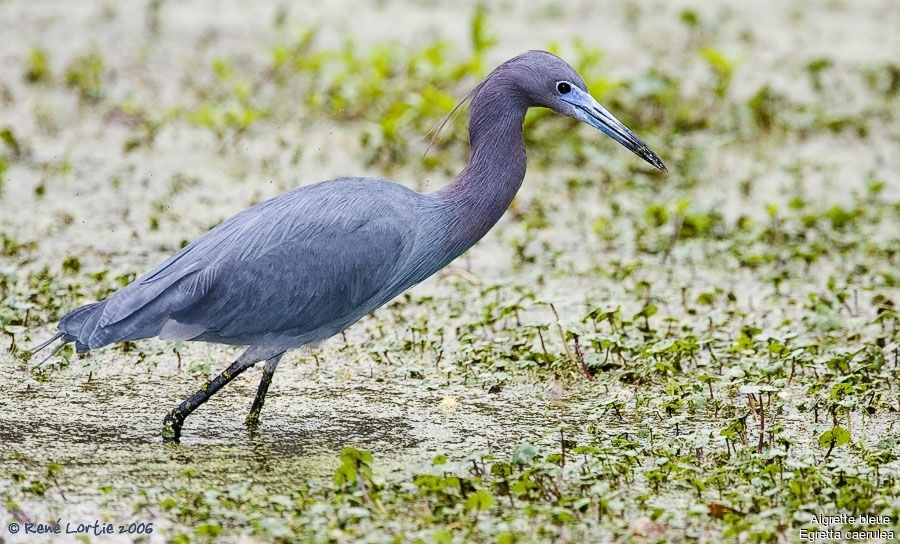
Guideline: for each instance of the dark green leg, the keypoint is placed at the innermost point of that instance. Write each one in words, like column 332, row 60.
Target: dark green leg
column 171, row 430
column 252, row 420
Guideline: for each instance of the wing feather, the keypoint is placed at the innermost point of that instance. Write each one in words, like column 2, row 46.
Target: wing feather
column 292, row 263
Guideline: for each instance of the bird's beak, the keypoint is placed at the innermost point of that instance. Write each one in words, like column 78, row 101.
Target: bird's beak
column 586, row 109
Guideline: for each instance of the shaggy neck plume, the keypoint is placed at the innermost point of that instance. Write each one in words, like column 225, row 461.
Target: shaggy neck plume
column 483, row 191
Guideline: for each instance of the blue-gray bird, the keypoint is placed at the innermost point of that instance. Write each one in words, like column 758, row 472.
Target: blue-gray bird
column 309, row 263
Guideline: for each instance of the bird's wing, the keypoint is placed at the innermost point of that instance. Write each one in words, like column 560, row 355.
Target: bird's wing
column 301, row 284
column 303, row 237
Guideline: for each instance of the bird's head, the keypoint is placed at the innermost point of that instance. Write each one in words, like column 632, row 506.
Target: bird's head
column 543, row 79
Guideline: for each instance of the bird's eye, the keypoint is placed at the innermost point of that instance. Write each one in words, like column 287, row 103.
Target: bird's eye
column 563, row 87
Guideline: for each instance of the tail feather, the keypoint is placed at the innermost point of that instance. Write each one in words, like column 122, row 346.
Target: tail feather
column 84, row 326
column 91, row 334
column 54, row 338
column 80, row 322
column 66, row 339
column 72, row 322
column 137, row 313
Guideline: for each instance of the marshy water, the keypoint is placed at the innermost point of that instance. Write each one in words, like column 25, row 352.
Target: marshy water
column 685, row 342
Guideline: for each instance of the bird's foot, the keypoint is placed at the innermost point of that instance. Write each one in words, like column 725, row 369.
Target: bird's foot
column 252, row 421
column 171, row 429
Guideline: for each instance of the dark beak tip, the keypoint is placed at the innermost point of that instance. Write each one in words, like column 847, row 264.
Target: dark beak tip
column 654, row 160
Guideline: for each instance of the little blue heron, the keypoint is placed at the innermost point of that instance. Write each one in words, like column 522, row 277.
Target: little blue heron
column 307, row 264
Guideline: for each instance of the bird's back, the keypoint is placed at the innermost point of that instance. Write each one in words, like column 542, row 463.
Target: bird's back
column 295, row 269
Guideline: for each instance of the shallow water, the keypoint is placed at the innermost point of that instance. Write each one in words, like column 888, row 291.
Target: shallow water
column 99, row 417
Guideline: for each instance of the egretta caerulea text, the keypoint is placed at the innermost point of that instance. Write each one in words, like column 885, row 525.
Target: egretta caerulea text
column 307, row 264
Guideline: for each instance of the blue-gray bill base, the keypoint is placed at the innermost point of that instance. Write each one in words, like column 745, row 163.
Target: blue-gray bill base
column 309, row 263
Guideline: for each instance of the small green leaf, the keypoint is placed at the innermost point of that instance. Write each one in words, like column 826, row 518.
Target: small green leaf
column 837, row 435
column 480, row 500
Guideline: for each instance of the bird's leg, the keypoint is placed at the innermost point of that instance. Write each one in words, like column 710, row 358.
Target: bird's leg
column 171, row 430
column 252, row 420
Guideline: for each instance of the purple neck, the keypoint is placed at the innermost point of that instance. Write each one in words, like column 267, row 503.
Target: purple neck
column 483, row 191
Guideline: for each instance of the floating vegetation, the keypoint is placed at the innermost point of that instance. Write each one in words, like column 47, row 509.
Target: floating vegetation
column 708, row 356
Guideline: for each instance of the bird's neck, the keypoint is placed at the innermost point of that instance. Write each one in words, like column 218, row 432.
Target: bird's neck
column 483, row 191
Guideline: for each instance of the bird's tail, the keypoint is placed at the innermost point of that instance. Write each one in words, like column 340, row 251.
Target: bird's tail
column 66, row 339
column 69, row 328
column 55, row 337
column 136, row 312
column 80, row 321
